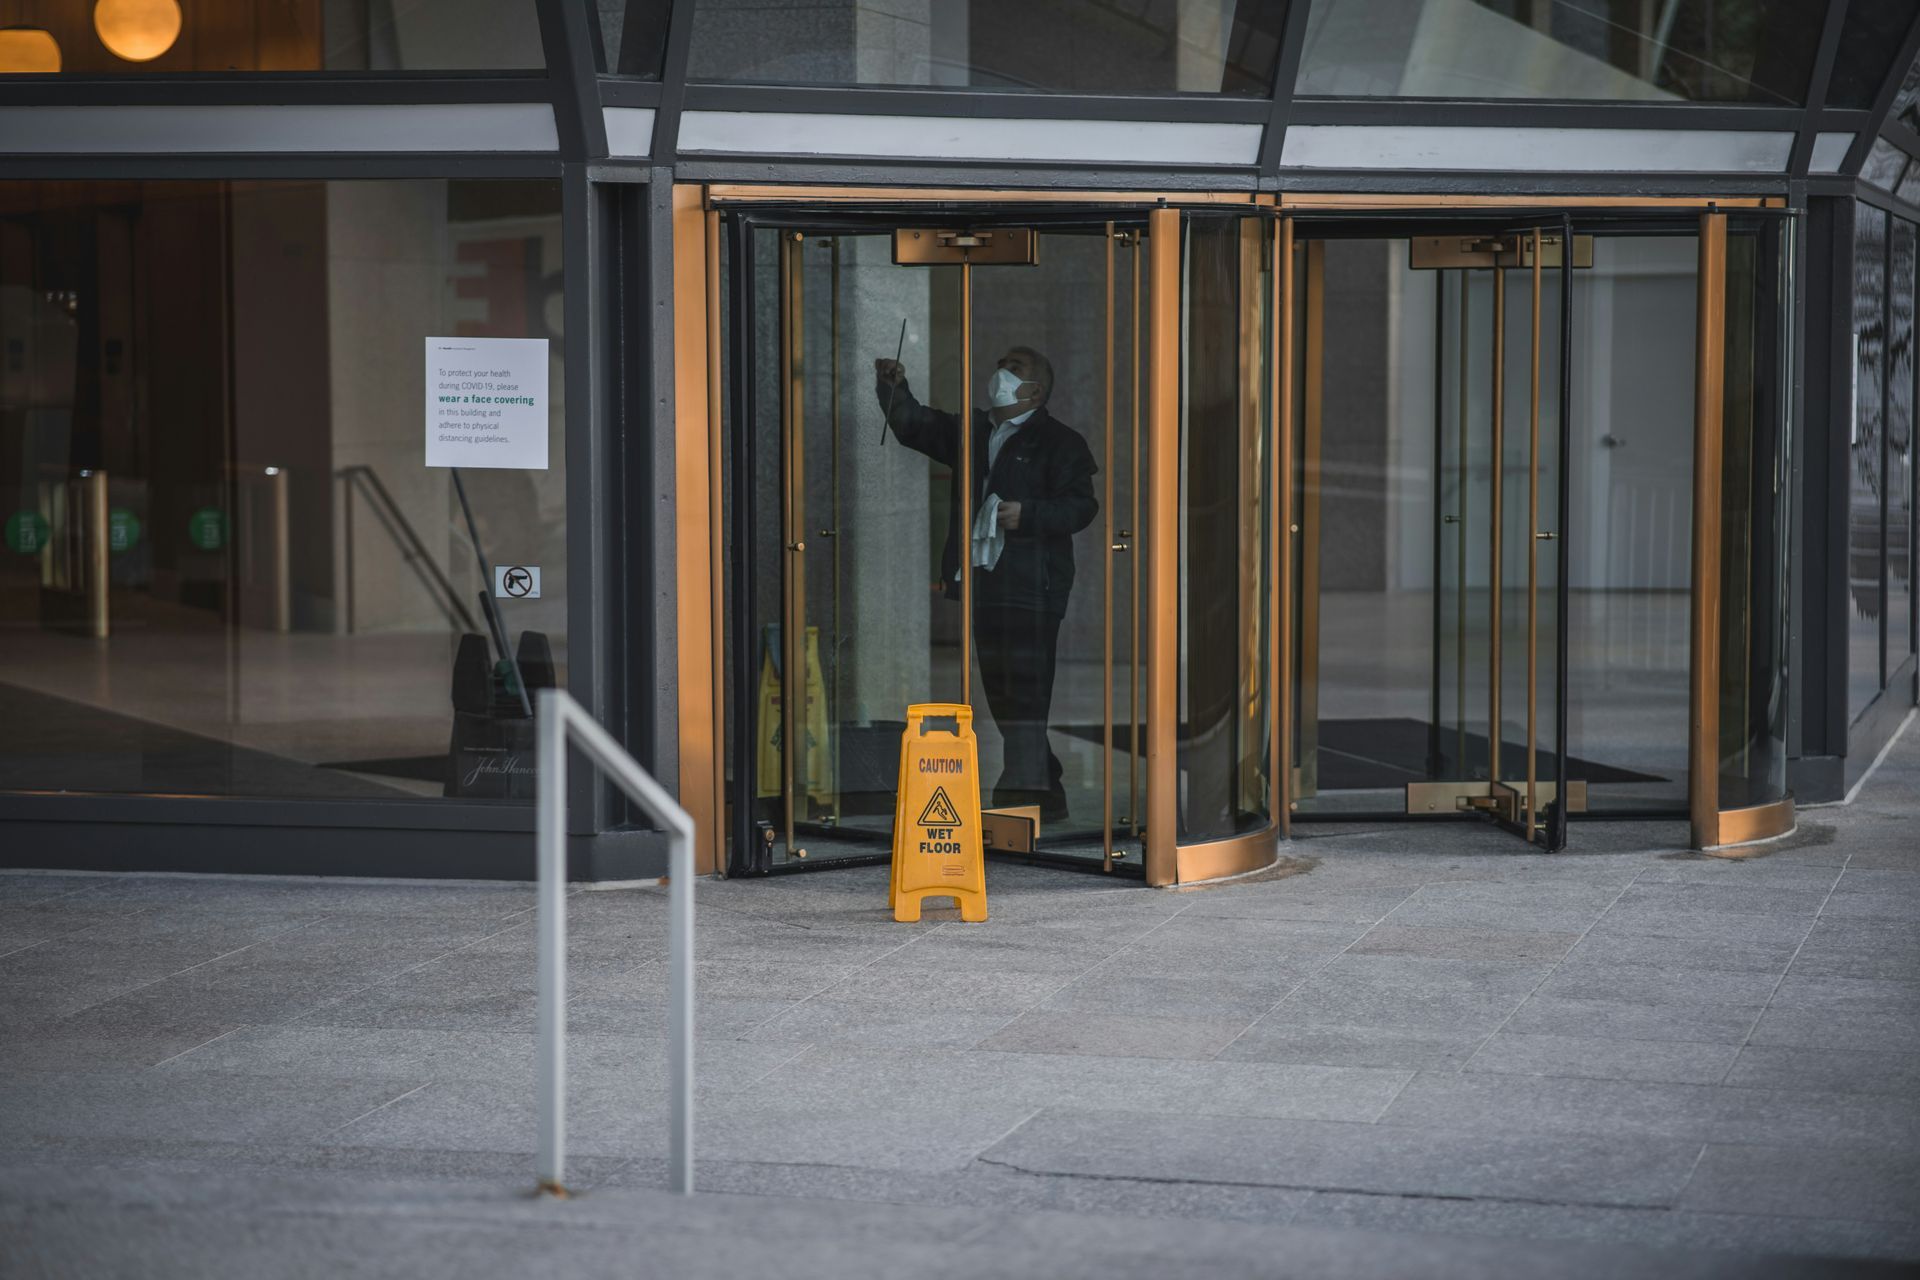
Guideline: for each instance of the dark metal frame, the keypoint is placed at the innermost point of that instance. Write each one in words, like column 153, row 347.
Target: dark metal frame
column 619, row 375
column 1861, row 736
column 617, row 250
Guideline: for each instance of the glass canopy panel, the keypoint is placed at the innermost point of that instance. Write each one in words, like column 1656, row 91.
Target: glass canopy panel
column 1906, row 103
column 1883, row 165
column 1043, row 46
column 286, row 35
column 1870, row 39
column 633, row 36
column 1758, row 51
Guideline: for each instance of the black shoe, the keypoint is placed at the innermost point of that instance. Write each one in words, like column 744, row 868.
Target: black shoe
column 1053, row 809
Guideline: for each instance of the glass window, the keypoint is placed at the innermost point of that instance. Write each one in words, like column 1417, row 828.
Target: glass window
column 1755, row 485
column 1635, row 312
column 1864, row 511
column 1885, row 163
column 1690, row 50
column 1225, row 530
column 1900, row 415
column 227, row 568
column 1046, row 46
column 1870, row 39
column 633, row 36
column 1906, row 103
column 133, row 37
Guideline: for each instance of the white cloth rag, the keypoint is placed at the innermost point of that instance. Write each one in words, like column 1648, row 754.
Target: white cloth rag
column 989, row 539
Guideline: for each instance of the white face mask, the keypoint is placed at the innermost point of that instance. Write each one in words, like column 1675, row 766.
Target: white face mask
column 1003, row 388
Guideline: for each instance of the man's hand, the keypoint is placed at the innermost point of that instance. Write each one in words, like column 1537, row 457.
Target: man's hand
column 1009, row 515
column 889, row 372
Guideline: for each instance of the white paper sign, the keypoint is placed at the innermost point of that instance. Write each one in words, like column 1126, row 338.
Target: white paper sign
column 487, row 403
column 516, row 581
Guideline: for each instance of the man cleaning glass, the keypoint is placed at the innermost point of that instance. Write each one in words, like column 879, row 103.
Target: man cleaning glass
column 1033, row 490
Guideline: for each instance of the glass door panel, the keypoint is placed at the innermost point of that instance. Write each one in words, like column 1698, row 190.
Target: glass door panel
column 1225, row 701
column 850, row 379
column 1634, row 314
column 1428, row 459
column 1055, row 638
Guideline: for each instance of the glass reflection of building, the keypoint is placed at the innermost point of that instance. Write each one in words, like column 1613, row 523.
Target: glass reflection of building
column 235, row 597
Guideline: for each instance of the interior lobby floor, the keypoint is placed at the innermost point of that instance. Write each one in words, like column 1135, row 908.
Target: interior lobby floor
column 1423, row 1052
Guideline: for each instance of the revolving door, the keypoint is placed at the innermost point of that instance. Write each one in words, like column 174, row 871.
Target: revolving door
column 1349, row 511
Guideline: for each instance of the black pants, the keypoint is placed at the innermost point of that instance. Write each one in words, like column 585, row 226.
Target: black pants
column 1017, row 649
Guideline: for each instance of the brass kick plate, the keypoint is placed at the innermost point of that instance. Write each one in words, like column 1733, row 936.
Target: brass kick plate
column 1435, row 253
column 1015, row 830
column 992, row 246
column 1505, row 799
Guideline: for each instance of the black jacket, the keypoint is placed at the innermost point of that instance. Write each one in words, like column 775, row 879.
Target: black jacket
column 1045, row 467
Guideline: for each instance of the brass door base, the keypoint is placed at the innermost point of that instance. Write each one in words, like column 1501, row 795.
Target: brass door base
column 1500, row 799
column 1012, row 830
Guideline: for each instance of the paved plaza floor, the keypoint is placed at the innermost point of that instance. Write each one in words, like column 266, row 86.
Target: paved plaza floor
column 1424, row 1052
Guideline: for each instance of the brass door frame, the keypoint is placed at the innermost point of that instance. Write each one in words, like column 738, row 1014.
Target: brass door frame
column 699, row 555
column 1162, row 605
column 1262, row 438
column 1713, row 827
column 1517, row 806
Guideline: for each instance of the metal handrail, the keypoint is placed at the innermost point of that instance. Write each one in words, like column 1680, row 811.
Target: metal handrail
column 561, row 720
column 412, row 548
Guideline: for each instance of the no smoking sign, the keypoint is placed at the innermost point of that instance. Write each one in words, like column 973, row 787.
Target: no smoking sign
column 516, row 581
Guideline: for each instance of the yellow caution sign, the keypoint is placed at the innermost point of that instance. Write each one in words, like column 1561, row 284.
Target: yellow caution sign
column 936, row 814
column 815, row 767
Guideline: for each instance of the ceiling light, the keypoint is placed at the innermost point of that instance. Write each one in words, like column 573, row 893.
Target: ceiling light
column 28, row 50
column 137, row 30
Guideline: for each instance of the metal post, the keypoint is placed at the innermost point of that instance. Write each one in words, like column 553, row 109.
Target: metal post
column 98, row 534
column 550, row 845
column 562, row 720
column 680, row 1009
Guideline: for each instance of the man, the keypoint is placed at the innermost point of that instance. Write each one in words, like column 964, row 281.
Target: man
column 1041, row 472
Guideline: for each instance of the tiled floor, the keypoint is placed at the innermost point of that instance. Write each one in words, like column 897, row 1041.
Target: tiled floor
column 1427, row 1053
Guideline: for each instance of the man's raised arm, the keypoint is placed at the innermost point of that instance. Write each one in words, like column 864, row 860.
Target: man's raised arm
column 920, row 428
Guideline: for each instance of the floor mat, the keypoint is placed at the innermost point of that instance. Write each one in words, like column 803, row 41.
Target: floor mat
column 56, row 744
column 1381, row 754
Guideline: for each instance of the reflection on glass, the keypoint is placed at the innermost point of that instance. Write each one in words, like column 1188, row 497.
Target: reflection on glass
column 1633, row 405
column 1865, row 514
column 1371, row 663
column 1402, row 479
column 1755, row 524
column 1871, row 34
column 1884, row 165
column 633, row 36
column 1225, row 686
column 844, row 340
column 1048, row 46
column 291, row 601
column 1900, row 423
column 1033, row 491
column 1906, row 103
column 868, row 520
column 1040, row 651
column 1693, row 50
column 302, row 35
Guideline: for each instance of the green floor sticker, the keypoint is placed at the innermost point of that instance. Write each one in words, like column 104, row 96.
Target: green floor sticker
column 26, row 532
column 123, row 529
column 207, row 529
